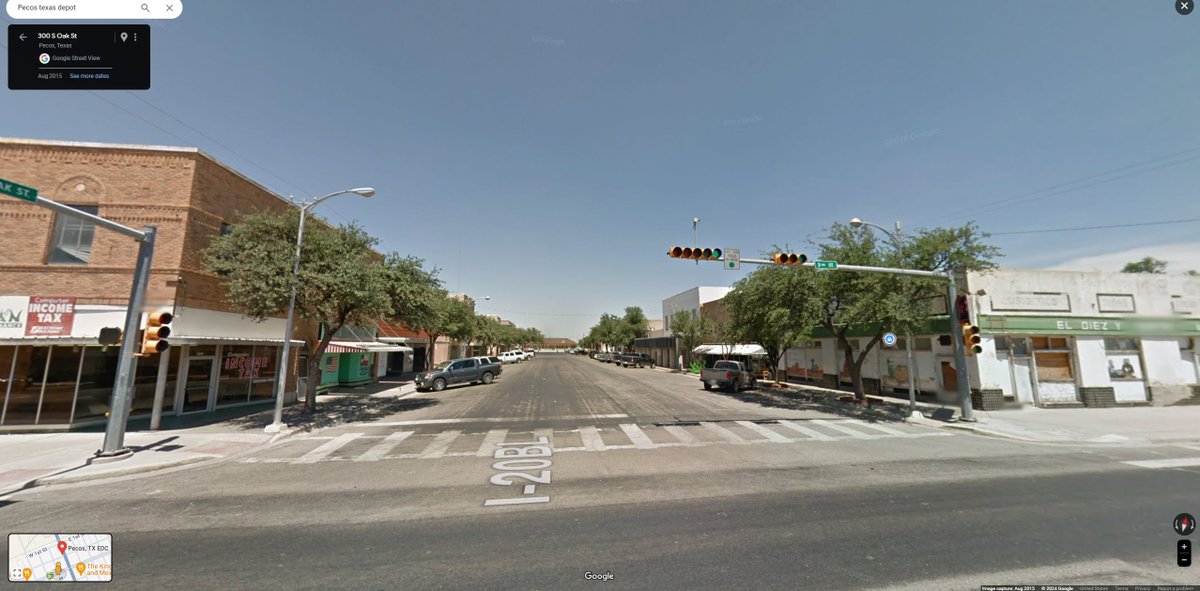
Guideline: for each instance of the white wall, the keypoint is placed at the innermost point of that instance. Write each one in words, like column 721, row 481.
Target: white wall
column 1165, row 363
column 691, row 300
column 992, row 373
column 1093, row 362
column 196, row 322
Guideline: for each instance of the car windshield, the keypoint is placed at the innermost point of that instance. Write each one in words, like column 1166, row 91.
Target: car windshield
column 441, row 366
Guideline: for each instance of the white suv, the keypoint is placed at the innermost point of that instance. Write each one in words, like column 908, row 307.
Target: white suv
column 511, row 357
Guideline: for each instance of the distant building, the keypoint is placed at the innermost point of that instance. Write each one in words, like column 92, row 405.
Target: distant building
column 690, row 300
column 557, row 344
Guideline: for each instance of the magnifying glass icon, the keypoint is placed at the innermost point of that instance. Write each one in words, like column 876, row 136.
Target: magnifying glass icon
column 146, row 8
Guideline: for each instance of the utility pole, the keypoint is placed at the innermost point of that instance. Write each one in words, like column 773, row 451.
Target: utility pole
column 122, row 391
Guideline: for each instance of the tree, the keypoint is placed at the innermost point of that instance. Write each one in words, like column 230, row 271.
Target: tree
column 876, row 303
column 488, row 332
column 461, row 324
column 774, row 307
column 534, row 337
column 691, row 329
column 1193, row 273
column 1146, row 265
column 342, row 280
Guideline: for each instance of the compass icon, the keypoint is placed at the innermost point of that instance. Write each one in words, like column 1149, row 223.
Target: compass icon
column 1184, row 524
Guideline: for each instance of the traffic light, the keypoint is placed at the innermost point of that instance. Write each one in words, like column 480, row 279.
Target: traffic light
column 789, row 258
column 971, row 338
column 155, row 333
column 700, row 254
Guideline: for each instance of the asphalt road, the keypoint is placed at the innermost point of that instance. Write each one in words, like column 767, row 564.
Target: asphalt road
column 839, row 504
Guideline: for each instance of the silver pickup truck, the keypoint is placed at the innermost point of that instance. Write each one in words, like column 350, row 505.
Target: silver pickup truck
column 728, row 375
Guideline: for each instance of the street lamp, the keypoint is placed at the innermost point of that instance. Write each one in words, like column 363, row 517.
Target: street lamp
column 912, row 394
column 305, row 206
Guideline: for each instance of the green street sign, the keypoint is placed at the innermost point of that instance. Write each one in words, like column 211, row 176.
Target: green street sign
column 825, row 264
column 19, row 191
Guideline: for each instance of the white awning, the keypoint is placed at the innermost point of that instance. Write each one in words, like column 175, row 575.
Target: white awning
column 365, row 347
column 750, row 350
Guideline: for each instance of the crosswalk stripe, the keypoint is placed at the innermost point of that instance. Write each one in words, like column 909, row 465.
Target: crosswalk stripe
column 1171, row 463
column 379, row 450
column 848, row 431
column 637, row 436
column 723, row 433
column 440, row 444
column 765, row 432
column 878, row 427
column 327, row 448
column 591, row 438
column 819, row 436
column 681, row 434
column 488, row 447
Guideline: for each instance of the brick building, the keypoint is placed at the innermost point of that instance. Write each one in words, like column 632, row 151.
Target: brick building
column 56, row 376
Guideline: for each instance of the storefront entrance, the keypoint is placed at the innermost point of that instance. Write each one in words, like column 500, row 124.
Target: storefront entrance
column 196, row 385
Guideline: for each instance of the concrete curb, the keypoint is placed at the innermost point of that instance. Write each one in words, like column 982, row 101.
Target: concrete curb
column 69, row 479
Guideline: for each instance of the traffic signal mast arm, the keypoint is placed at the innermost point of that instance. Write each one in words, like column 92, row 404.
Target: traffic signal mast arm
column 958, row 336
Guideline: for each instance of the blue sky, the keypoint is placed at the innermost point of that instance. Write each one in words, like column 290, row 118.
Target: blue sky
column 562, row 146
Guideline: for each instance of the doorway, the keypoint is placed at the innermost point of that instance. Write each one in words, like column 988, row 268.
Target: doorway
column 197, row 385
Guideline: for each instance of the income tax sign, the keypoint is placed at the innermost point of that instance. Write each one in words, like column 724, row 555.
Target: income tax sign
column 50, row 316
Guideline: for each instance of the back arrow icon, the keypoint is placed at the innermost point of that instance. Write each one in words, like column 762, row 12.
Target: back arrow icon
column 21, row 36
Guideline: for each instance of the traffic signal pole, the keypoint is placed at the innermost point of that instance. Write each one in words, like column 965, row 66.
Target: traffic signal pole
column 960, row 353
column 122, row 395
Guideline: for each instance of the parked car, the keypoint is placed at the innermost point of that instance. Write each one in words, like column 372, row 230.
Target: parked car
column 458, row 371
column 728, row 375
column 510, row 357
column 531, row 352
column 637, row 360
column 606, row 356
column 494, row 359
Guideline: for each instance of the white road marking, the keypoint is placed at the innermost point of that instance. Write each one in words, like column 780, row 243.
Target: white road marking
column 546, row 435
column 488, row 447
column 682, row 435
column 765, row 432
column 440, row 444
column 591, row 438
column 1171, row 463
column 490, row 420
column 819, row 436
column 883, row 428
column 327, row 448
column 637, row 436
column 723, row 433
column 848, row 431
column 515, row 501
column 379, row 450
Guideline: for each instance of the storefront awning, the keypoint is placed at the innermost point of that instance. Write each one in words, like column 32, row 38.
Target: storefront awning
column 365, row 347
column 750, row 350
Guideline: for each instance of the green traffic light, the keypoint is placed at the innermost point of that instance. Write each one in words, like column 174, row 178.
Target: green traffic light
column 716, row 254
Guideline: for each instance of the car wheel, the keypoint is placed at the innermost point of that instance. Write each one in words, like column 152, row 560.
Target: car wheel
column 707, row 387
column 439, row 385
column 487, row 378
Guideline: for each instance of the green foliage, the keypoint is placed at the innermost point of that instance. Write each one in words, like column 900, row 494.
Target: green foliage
column 691, row 329
column 342, row 279
column 618, row 331
column 889, row 302
column 695, row 367
column 774, row 307
column 1147, row 265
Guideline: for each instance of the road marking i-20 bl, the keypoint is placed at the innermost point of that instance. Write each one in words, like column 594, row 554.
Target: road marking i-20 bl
column 527, row 455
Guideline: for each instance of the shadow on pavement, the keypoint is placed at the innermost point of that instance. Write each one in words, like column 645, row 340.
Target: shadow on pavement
column 800, row 398
column 333, row 411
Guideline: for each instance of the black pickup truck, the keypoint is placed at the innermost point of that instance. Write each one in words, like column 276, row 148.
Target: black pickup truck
column 635, row 360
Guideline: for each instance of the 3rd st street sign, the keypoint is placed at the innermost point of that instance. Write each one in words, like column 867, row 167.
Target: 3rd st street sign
column 8, row 187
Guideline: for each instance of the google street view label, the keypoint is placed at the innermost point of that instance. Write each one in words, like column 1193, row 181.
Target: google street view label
column 8, row 187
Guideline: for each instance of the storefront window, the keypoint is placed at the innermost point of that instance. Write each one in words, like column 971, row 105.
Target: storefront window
column 59, row 394
column 1124, row 358
column 1002, row 344
column 923, row 344
column 1052, row 355
column 262, row 385
column 7, row 354
column 237, row 367
column 146, row 379
column 96, row 381
column 27, row 386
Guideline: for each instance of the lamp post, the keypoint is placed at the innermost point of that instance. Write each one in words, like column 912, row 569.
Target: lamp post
column 305, row 206
column 912, row 394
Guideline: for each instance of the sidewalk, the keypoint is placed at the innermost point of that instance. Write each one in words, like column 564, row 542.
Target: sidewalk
column 1138, row 425
column 41, row 459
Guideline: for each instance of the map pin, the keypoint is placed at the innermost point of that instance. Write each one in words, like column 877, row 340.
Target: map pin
column 27, row 573
column 62, row 547
column 79, row 566
column 124, row 36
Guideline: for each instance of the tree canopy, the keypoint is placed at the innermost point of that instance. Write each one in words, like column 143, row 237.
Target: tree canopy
column 1146, row 265
column 342, row 279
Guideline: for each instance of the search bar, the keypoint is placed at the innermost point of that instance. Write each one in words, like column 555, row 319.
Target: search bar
column 94, row 9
